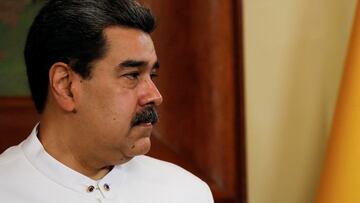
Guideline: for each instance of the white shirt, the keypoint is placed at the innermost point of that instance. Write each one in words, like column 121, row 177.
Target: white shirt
column 29, row 174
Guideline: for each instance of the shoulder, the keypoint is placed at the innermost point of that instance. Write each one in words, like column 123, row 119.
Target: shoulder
column 10, row 156
column 162, row 169
column 14, row 156
column 13, row 163
column 171, row 176
column 14, row 170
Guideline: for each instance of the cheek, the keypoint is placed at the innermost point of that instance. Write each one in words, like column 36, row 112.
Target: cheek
column 107, row 105
column 113, row 109
column 121, row 105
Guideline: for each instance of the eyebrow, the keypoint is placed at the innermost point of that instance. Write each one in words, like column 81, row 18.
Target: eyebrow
column 137, row 64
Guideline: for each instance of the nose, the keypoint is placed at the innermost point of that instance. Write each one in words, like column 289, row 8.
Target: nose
column 150, row 94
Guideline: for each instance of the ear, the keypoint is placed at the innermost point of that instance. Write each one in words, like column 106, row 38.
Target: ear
column 60, row 81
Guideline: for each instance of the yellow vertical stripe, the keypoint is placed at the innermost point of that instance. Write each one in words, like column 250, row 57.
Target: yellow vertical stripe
column 340, row 181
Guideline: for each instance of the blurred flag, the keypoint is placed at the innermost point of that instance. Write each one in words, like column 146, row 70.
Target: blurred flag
column 340, row 181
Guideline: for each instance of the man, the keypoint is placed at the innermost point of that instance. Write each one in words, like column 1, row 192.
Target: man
column 90, row 66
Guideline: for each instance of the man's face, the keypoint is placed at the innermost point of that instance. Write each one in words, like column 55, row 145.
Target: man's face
column 120, row 88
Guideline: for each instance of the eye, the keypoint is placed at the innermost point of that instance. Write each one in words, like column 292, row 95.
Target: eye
column 153, row 75
column 132, row 75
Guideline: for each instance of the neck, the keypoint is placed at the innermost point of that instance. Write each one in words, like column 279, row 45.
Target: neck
column 57, row 140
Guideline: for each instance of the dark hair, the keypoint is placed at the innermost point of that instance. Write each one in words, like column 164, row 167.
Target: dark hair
column 71, row 31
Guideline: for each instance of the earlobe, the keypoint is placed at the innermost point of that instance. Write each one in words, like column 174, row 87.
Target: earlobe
column 60, row 83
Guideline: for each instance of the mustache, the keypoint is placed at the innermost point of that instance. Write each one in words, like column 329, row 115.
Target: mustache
column 148, row 115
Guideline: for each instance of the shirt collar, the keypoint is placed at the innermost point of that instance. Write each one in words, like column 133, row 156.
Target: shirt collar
column 67, row 177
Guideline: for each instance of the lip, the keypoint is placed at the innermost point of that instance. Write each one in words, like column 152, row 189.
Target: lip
column 146, row 125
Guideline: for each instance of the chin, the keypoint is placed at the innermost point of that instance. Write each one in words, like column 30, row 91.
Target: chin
column 145, row 146
column 140, row 147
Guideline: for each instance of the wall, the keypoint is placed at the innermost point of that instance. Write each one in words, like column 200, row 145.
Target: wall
column 294, row 54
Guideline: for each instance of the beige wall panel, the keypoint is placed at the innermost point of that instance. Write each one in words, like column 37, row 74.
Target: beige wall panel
column 294, row 55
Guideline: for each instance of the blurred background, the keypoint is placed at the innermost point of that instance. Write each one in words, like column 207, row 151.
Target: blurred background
column 249, row 90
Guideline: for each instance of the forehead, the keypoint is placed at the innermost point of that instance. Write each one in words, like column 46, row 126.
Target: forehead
column 129, row 43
